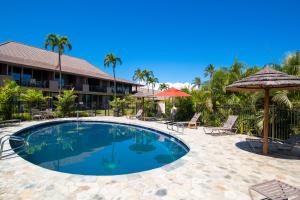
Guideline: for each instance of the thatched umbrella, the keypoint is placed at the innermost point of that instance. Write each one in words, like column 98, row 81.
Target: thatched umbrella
column 265, row 80
column 143, row 95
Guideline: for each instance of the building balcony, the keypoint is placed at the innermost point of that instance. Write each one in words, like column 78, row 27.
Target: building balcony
column 96, row 88
column 53, row 85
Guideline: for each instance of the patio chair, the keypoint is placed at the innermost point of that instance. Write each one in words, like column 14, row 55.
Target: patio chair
column 10, row 121
column 158, row 117
column 190, row 124
column 288, row 144
column 138, row 115
column 255, row 143
column 276, row 190
column 228, row 126
column 36, row 114
column 48, row 114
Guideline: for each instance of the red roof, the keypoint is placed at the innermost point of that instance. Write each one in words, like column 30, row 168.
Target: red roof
column 17, row 53
column 172, row 92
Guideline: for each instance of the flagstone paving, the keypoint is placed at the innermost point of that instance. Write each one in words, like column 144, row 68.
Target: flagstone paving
column 215, row 168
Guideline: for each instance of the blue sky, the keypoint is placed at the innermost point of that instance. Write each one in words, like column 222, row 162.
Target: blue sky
column 174, row 38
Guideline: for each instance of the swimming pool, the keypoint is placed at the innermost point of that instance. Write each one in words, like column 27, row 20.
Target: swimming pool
column 98, row 148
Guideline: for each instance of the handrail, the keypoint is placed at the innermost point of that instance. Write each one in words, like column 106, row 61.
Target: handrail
column 10, row 137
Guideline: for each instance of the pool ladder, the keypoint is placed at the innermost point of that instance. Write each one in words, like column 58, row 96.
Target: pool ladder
column 4, row 153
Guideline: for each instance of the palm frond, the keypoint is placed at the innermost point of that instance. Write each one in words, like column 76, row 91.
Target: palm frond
column 281, row 98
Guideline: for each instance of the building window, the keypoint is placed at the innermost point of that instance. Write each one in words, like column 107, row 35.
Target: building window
column 3, row 69
column 16, row 74
column 27, row 77
column 62, row 79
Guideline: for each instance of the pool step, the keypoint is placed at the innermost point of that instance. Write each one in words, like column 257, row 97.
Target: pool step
column 5, row 153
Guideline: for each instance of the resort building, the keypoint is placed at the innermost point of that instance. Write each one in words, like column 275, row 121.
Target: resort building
column 37, row 68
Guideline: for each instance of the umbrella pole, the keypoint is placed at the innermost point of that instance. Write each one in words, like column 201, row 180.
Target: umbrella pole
column 266, row 121
column 143, row 102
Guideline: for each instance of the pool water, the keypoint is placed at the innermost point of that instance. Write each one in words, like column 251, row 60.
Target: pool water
column 98, row 148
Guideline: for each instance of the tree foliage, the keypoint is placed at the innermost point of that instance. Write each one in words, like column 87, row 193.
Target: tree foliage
column 33, row 98
column 112, row 60
column 58, row 44
column 66, row 102
column 9, row 94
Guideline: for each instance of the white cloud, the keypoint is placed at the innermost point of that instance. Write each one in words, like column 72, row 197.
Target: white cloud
column 177, row 85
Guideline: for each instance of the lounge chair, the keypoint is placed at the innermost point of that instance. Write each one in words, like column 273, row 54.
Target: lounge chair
column 190, row 124
column 48, row 114
column 138, row 115
column 288, row 144
column 36, row 114
column 158, row 117
column 227, row 127
column 275, row 189
column 10, row 121
column 256, row 144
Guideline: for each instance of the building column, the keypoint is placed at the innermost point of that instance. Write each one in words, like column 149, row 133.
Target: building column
column 7, row 69
column 21, row 75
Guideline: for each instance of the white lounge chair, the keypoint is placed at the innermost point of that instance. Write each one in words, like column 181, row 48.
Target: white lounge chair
column 190, row 124
column 228, row 127
column 276, row 190
column 138, row 115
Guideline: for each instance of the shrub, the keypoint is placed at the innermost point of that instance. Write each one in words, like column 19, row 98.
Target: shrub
column 65, row 103
column 118, row 105
column 185, row 110
column 8, row 95
column 33, row 98
column 22, row 116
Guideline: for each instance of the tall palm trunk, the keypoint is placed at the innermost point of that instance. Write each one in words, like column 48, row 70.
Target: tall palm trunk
column 59, row 64
column 153, row 96
column 115, row 86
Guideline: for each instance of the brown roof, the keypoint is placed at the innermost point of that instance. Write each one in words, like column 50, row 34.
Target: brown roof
column 17, row 53
column 266, row 78
column 144, row 92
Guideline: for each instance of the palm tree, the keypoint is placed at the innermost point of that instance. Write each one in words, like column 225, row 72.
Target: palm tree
column 152, row 81
column 163, row 86
column 138, row 76
column 197, row 82
column 111, row 59
column 146, row 75
column 209, row 70
column 292, row 64
column 58, row 43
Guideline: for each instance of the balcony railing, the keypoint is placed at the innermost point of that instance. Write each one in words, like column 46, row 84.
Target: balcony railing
column 37, row 84
column 95, row 88
column 54, row 85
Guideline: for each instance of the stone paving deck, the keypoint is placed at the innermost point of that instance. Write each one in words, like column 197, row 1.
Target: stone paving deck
column 215, row 168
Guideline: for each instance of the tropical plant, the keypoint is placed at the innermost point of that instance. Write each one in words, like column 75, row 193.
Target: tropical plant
column 59, row 44
column 147, row 74
column 118, row 104
column 281, row 98
column 138, row 76
column 152, row 81
column 33, row 98
column 197, row 82
column 163, row 86
column 112, row 60
column 9, row 94
column 65, row 103
column 292, row 64
column 209, row 70
column 236, row 72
